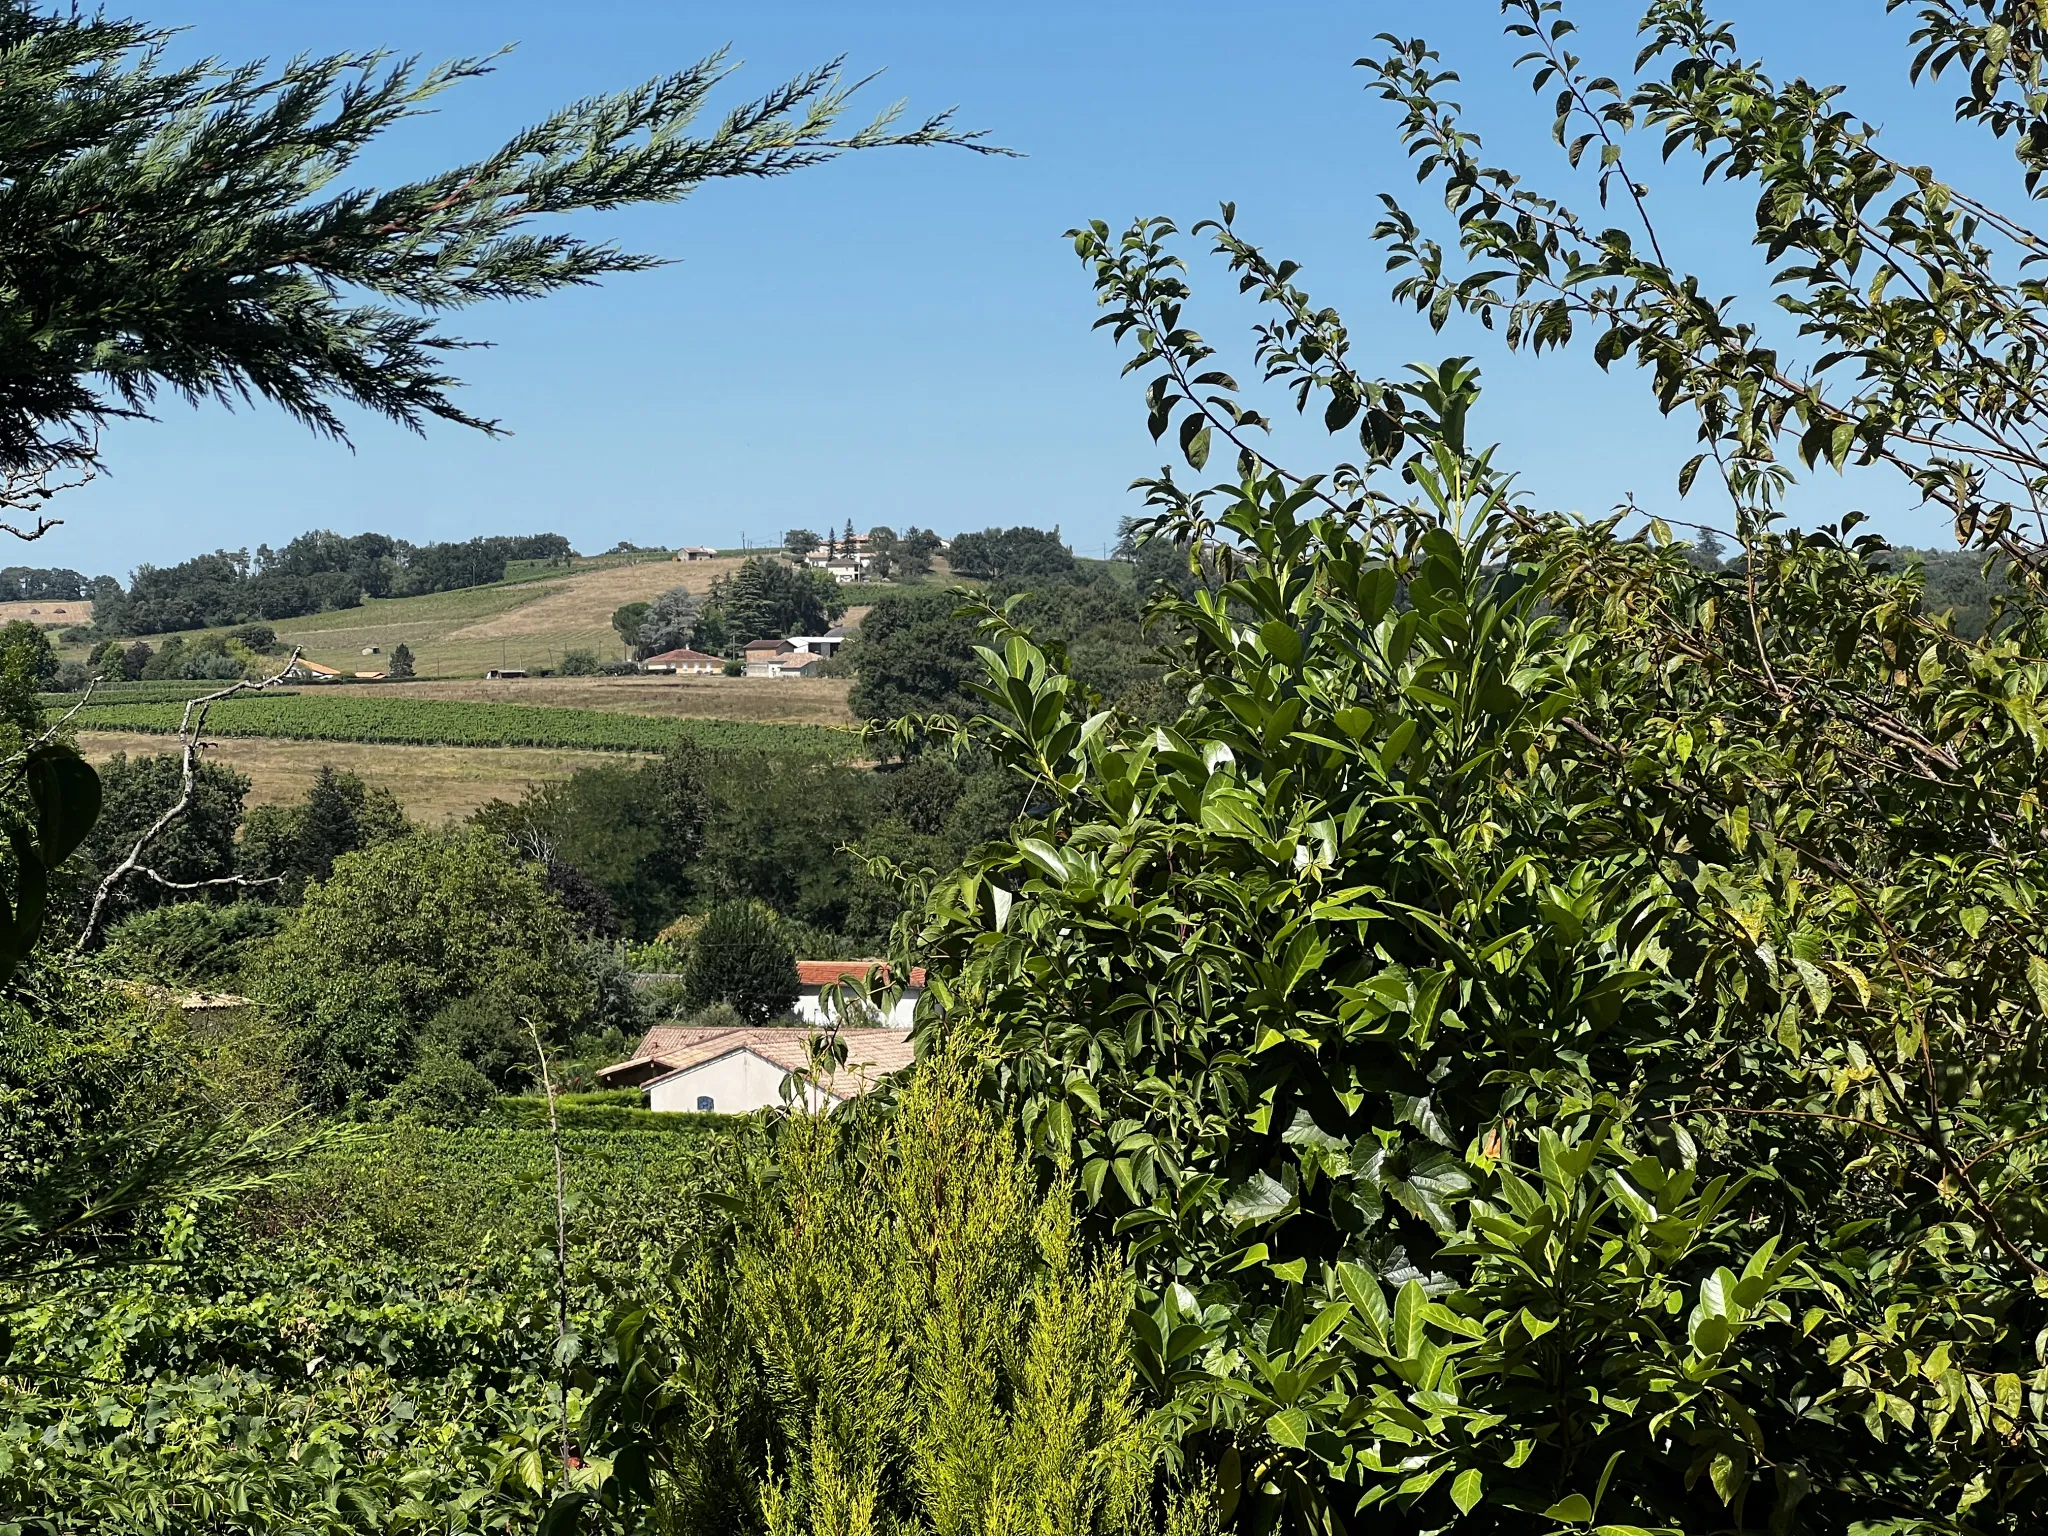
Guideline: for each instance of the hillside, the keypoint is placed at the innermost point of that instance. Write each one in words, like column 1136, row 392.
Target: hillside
column 524, row 621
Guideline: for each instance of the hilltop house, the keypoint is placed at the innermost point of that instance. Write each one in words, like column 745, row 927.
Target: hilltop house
column 684, row 660
column 696, row 552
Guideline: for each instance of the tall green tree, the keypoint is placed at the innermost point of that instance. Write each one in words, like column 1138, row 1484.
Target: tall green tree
column 339, row 814
column 198, row 846
column 398, row 933
column 739, row 957
column 766, row 598
column 170, row 227
column 1555, row 1019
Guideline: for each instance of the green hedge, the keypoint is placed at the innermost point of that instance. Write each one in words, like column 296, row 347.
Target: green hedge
column 523, row 1113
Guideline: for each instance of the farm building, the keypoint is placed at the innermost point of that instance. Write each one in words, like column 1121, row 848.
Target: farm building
column 737, row 1071
column 826, row 645
column 684, row 660
column 696, row 552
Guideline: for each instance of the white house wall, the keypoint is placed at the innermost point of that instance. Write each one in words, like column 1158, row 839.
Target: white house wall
column 736, row 1084
column 810, row 1007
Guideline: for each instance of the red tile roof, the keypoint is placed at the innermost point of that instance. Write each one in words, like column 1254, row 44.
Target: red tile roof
column 827, row 973
column 685, row 654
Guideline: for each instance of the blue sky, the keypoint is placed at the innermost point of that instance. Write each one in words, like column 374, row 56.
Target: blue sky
column 903, row 337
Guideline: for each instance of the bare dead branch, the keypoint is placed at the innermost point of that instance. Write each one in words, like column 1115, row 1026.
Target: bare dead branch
column 189, row 727
column 28, row 490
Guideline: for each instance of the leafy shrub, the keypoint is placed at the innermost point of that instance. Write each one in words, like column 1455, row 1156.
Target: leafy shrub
column 197, row 943
column 579, row 664
column 741, row 958
column 897, row 1331
column 485, row 1034
column 444, row 1091
column 397, row 934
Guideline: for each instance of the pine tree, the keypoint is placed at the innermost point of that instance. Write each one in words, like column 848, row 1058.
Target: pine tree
column 401, row 660
column 741, row 958
column 169, row 229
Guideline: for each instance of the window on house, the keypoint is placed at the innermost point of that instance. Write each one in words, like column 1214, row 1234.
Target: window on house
column 704, row 1104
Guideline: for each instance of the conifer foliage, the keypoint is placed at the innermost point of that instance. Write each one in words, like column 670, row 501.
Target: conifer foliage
column 171, row 229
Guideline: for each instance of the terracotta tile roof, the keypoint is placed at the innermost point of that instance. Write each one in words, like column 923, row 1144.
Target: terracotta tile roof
column 826, row 973
column 871, row 1054
column 685, row 654
column 661, row 1044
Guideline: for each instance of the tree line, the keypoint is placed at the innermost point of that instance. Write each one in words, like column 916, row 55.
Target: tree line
column 315, row 572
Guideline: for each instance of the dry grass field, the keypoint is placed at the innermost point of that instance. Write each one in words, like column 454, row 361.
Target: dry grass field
column 768, row 700
column 434, row 784
column 524, row 624
column 46, row 611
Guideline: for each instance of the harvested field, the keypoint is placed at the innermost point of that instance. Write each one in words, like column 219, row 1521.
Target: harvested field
column 46, row 610
column 434, row 784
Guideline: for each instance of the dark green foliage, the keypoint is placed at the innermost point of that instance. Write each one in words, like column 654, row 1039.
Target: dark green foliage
column 530, row 1113
column 27, row 666
column 399, row 932
column 315, row 572
column 299, row 843
column 634, row 833
column 484, row 1033
column 401, row 661
column 626, row 621
column 914, row 656
column 740, row 958
column 577, row 663
column 799, row 542
column 191, row 943
column 194, row 229
column 29, row 584
column 1014, row 555
column 260, row 638
column 445, row 1091
column 766, row 597
column 774, row 829
column 372, row 1334
column 198, row 845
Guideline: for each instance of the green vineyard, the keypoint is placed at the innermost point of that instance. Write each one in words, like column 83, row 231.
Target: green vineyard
column 451, row 723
